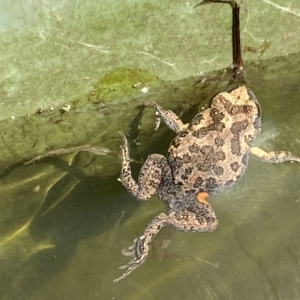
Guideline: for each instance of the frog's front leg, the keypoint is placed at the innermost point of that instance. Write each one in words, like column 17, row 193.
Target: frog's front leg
column 170, row 119
column 274, row 156
column 150, row 174
column 201, row 219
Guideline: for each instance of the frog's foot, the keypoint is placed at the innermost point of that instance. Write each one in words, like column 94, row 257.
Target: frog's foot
column 141, row 245
column 274, row 156
column 130, row 251
column 124, row 149
column 134, row 263
column 169, row 117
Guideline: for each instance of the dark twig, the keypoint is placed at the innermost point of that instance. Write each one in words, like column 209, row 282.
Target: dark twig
column 237, row 61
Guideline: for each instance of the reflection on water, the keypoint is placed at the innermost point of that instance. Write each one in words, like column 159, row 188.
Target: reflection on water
column 63, row 229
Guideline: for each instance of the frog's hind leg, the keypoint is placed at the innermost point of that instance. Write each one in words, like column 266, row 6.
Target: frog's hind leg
column 274, row 156
column 201, row 218
column 141, row 245
column 150, row 175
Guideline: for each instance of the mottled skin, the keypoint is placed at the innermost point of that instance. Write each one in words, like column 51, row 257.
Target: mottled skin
column 207, row 156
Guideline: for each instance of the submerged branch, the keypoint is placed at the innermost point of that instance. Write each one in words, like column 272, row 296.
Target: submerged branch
column 92, row 149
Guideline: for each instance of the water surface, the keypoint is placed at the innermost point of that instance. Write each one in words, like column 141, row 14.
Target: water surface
column 65, row 219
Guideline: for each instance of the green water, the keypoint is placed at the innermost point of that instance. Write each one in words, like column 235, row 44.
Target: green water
column 65, row 219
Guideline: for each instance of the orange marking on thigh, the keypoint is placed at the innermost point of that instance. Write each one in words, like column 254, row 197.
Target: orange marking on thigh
column 201, row 197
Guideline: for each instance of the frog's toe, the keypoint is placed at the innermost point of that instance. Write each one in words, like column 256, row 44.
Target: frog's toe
column 125, row 266
column 138, row 251
column 124, row 148
column 132, row 265
column 132, row 247
column 124, row 138
column 129, row 251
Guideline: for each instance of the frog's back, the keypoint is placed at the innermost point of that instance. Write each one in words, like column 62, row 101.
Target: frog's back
column 213, row 152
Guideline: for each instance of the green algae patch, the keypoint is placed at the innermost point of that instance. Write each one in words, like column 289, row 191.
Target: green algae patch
column 123, row 83
column 118, row 102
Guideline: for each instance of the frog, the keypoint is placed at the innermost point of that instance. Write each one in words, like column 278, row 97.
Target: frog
column 207, row 156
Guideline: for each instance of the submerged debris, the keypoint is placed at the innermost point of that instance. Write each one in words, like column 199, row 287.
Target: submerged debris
column 93, row 149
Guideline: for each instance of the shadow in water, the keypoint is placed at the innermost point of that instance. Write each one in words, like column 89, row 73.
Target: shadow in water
column 91, row 205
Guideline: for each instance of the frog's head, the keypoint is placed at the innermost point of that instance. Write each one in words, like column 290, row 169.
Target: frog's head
column 239, row 100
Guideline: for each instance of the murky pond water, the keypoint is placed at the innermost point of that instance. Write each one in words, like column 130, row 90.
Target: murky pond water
column 65, row 219
column 63, row 227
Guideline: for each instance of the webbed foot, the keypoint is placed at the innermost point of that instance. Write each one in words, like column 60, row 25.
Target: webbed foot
column 139, row 257
column 141, row 245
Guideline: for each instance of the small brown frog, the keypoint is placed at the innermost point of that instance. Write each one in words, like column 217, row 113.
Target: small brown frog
column 207, row 156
